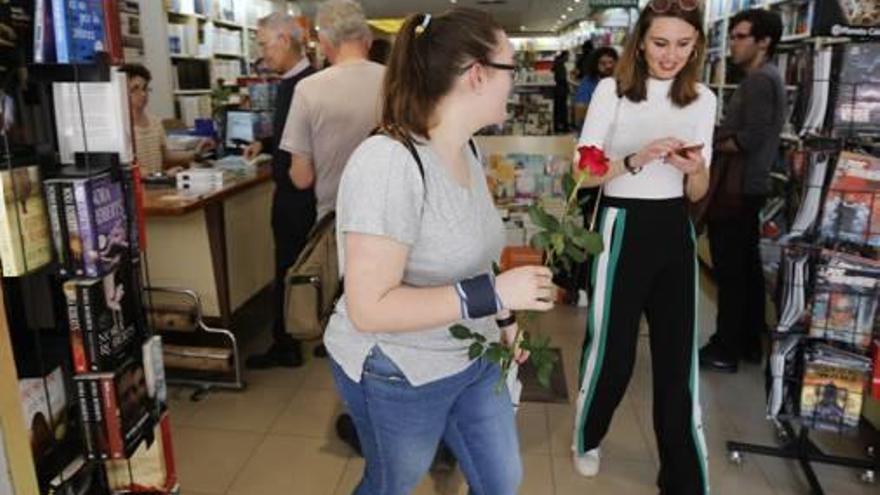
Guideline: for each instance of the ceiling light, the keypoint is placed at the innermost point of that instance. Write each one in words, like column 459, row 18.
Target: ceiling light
column 577, row 1
column 563, row 16
column 522, row 28
column 570, row 9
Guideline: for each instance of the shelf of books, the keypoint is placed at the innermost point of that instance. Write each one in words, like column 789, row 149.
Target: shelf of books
column 82, row 388
column 821, row 246
column 212, row 44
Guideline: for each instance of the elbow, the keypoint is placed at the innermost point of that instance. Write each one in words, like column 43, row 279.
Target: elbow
column 301, row 180
column 361, row 318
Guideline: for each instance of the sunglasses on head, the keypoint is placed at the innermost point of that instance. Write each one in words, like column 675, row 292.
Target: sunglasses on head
column 664, row 6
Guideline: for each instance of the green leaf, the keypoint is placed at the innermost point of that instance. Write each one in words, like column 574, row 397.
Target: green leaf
column 496, row 353
column 460, row 331
column 541, row 241
column 594, row 244
column 575, row 254
column 475, row 351
column 543, row 219
column 557, row 240
column 543, row 374
column 568, row 184
column 478, row 337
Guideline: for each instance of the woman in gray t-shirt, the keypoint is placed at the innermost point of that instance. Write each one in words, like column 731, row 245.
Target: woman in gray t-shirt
column 416, row 245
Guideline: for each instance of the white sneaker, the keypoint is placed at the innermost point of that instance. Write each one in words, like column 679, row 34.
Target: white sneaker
column 588, row 463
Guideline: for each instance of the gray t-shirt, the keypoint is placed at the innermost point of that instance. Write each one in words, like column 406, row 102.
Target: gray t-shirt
column 754, row 118
column 452, row 232
column 331, row 113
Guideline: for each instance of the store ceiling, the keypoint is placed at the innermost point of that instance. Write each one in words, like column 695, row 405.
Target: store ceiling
column 514, row 15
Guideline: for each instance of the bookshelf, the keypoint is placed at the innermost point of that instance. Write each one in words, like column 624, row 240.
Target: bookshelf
column 209, row 41
column 797, row 17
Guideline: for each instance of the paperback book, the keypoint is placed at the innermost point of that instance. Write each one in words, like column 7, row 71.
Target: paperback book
column 852, row 210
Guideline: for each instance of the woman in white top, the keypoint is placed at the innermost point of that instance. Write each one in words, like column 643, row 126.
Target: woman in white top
column 152, row 151
column 645, row 119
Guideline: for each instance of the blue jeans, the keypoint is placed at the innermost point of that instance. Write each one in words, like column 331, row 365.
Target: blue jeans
column 400, row 427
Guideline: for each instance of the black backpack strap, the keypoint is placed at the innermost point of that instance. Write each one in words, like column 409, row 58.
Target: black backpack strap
column 473, row 147
column 409, row 146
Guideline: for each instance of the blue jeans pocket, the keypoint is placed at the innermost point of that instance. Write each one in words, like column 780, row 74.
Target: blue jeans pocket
column 380, row 367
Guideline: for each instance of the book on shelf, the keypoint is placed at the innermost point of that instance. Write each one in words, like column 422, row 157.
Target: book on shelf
column 44, row 407
column 845, row 299
column 151, row 467
column 857, row 102
column 93, row 117
column 852, row 204
column 104, row 319
column 79, row 477
column 875, row 381
column 852, row 18
column 77, row 28
column 25, row 239
column 833, row 388
column 91, row 217
column 118, row 407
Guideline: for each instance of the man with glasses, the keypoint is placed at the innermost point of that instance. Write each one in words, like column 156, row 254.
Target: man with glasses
column 293, row 208
column 751, row 129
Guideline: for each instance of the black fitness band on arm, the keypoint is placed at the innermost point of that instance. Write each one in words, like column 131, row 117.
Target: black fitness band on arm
column 478, row 297
column 506, row 322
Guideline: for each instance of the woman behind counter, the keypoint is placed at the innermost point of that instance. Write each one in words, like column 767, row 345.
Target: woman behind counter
column 153, row 154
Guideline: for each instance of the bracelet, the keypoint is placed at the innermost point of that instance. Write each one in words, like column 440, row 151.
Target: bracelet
column 629, row 166
column 478, row 297
column 506, row 322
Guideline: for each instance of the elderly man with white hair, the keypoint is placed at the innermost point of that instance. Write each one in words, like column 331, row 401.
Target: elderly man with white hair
column 334, row 110
column 293, row 208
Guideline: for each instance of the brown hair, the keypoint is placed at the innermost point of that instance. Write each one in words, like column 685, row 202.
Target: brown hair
column 426, row 60
column 631, row 72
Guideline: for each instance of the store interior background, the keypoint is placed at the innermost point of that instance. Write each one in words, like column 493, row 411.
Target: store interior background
column 277, row 435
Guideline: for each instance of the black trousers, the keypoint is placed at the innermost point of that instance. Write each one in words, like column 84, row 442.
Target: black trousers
column 293, row 215
column 648, row 266
column 736, row 263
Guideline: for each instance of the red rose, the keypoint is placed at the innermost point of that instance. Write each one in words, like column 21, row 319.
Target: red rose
column 593, row 159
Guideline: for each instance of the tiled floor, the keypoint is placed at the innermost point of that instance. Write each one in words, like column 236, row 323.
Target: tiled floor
column 277, row 438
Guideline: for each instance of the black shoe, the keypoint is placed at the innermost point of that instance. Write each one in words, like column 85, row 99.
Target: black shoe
column 286, row 355
column 320, row 351
column 714, row 359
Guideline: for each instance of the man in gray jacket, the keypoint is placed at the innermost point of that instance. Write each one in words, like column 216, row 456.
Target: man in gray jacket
column 751, row 128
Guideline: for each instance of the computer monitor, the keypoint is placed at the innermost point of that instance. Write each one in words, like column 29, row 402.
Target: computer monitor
column 240, row 126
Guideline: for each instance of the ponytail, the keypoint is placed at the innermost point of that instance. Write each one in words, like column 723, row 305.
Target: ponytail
column 427, row 57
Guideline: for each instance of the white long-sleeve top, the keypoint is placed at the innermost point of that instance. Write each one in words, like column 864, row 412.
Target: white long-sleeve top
column 620, row 127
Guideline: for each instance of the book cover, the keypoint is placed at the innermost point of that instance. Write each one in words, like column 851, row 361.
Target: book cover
column 102, row 223
column 44, row 406
column 59, row 28
column 87, row 419
column 25, row 243
column 44, row 33
column 151, row 465
column 57, row 221
column 857, row 103
column 81, row 359
column 85, row 29
column 78, row 478
column 845, row 299
column 126, row 408
column 99, row 427
column 832, row 396
column 852, row 18
column 75, row 263
column 850, row 205
column 109, row 320
column 113, row 32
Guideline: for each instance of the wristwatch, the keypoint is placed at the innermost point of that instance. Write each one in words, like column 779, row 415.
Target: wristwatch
column 629, row 166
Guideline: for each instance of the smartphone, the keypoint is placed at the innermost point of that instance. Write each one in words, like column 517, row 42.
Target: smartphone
column 684, row 150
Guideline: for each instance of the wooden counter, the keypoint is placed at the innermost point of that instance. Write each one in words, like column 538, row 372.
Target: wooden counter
column 218, row 243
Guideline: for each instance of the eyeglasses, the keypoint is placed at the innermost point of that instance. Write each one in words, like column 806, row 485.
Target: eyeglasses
column 739, row 36
column 664, row 6
column 494, row 65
